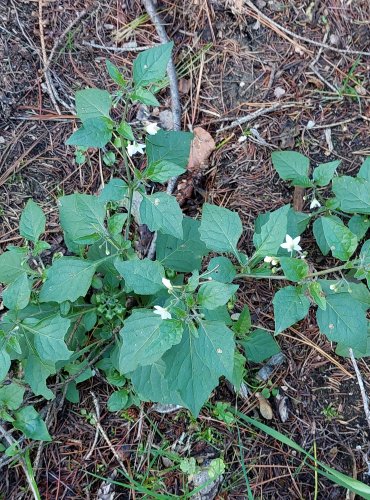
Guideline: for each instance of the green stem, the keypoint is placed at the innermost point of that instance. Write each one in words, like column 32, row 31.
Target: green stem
column 311, row 275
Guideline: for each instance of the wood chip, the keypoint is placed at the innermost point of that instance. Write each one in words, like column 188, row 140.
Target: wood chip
column 201, row 148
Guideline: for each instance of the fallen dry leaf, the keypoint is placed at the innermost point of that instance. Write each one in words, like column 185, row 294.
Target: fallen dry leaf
column 201, row 148
column 265, row 407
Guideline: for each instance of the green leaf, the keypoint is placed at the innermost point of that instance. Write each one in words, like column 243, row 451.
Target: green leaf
column 162, row 170
column 109, row 158
column 221, row 269
column 170, row 146
column 36, row 372
column 150, row 65
column 317, row 294
column 82, row 217
column 324, row 172
column 244, row 322
column 4, row 363
column 290, row 305
column 28, row 421
column 297, row 223
column 115, row 74
column 239, row 370
column 294, row 269
column 93, row 103
column 270, row 232
column 11, row 396
column 118, row 400
column 12, row 265
column 144, row 277
column 94, row 133
column 364, row 172
column 67, row 279
column 344, row 321
column 17, row 294
column 32, row 223
column 48, row 337
column 215, row 294
column 115, row 190
column 359, row 225
column 125, row 130
column 161, row 212
column 259, row 345
column 145, row 338
column 292, row 166
column 115, row 223
column 193, row 366
column 332, row 234
column 353, row 194
column 144, row 96
column 220, row 229
column 185, row 254
column 342, row 350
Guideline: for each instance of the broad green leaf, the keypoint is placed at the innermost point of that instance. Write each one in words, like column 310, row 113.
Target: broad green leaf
column 36, row 372
column 12, row 265
column 82, row 217
column 116, row 222
column 118, row 400
column 150, row 65
column 239, row 370
column 151, row 385
column 353, row 194
column 115, row 74
column 4, row 363
column 290, row 306
column 344, row 321
column 144, row 277
column 244, row 322
column 220, row 314
column 259, row 345
column 28, row 421
column 145, row 338
column 17, row 294
column 93, row 133
column 67, row 279
column 294, row 269
column 317, row 294
column 324, row 172
column 48, row 337
column 364, row 172
column 161, row 212
column 221, row 269
column 170, row 146
column 11, row 396
column 162, row 170
column 115, row 190
column 271, row 232
column 185, row 254
column 125, row 130
column 297, row 223
column 145, row 96
column 32, row 223
column 332, row 235
column 215, row 294
column 194, row 366
column 359, row 225
column 292, row 166
column 220, row 229
column 93, row 103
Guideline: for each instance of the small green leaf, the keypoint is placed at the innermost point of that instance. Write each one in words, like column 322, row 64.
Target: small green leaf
column 115, row 74
column 324, row 172
column 170, row 146
column 150, row 65
column 32, row 223
column 144, row 96
column 359, row 225
column 11, row 396
column 94, row 133
column 244, row 322
column 292, row 166
column 294, row 269
column 161, row 212
column 12, row 265
column 221, row 269
column 115, row 223
column 115, row 190
column 332, row 235
column 239, row 370
column 118, row 400
column 317, row 294
column 162, row 170
column 215, row 294
column 144, row 277
column 259, row 345
column 270, row 231
column 220, row 229
column 125, row 130
column 36, row 373
column 4, row 363
column 109, row 158
column 364, row 172
column 28, row 421
column 17, row 294
column 93, row 103
column 290, row 305
column 353, row 194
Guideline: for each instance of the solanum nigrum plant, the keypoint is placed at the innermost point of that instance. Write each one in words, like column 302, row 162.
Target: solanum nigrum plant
column 165, row 330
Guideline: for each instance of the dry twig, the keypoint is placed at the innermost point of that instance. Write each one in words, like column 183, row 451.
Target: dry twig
column 364, row 396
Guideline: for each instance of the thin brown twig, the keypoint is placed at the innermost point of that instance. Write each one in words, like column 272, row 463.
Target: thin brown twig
column 130, row 47
column 364, row 396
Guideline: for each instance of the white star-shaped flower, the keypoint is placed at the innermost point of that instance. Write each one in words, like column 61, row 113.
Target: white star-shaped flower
column 162, row 311
column 167, row 283
column 315, row 204
column 151, row 128
column 268, row 259
column 135, row 147
column 291, row 243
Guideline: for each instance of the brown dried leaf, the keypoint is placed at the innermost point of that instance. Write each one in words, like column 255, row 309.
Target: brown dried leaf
column 265, row 407
column 201, row 148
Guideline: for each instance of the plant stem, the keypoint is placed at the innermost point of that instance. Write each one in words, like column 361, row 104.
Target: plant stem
column 311, row 275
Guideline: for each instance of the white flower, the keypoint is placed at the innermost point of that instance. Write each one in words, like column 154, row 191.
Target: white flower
column 242, row 138
column 134, row 148
column 167, row 283
column 315, row 204
column 274, row 262
column 291, row 243
column 268, row 259
column 151, row 128
column 162, row 311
